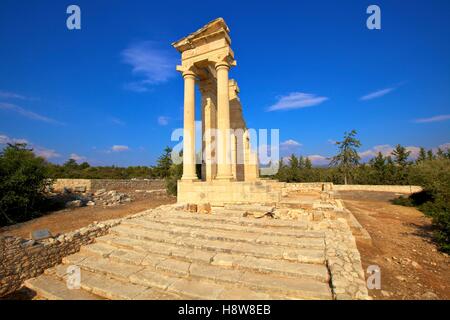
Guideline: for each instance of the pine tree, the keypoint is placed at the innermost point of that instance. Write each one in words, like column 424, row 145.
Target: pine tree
column 308, row 164
column 430, row 155
column 422, row 155
column 164, row 163
column 401, row 156
column 347, row 158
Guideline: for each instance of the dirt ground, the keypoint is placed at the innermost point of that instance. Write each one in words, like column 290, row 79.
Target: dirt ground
column 72, row 219
column 411, row 266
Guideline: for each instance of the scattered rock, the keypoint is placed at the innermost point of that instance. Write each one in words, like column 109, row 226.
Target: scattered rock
column 415, row 265
column 90, row 203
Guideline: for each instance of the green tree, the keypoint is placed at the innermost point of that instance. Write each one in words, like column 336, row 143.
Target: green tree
column 347, row 158
column 422, row 155
column 401, row 155
column 23, row 179
column 164, row 163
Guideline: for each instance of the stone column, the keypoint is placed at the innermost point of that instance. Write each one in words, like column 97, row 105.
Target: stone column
column 233, row 156
column 223, row 123
column 189, row 127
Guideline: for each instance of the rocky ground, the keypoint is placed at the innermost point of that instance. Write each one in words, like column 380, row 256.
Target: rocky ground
column 411, row 266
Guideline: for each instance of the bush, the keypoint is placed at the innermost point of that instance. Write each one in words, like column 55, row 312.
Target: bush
column 434, row 177
column 175, row 173
column 23, row 180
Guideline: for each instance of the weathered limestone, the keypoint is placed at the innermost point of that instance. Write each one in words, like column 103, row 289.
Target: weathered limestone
column 189, row 127
column 206, row 58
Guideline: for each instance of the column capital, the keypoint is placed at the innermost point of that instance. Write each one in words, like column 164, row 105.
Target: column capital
column 188, row 74
column 222, row 65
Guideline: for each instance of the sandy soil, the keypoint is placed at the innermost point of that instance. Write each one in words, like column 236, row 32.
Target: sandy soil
column 402, row 246
column 72, row 219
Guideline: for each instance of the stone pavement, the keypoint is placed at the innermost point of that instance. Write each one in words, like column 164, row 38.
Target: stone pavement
column 173, row 254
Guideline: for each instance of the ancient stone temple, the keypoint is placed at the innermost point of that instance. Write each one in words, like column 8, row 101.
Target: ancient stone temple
column 229, row 166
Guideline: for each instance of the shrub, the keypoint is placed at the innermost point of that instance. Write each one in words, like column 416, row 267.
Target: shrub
column 23, row 180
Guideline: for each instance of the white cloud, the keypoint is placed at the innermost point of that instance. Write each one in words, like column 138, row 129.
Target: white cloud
column 46, row 153
column 297, row 100
column 163, row 121
column 119, row 148
column 5, row 140
column 38, row 150
column 318, row 160
column 377, row 94
column 386, row 150
column 148, row 61
column 26, row 113
column 76, row 157
column 442, row 117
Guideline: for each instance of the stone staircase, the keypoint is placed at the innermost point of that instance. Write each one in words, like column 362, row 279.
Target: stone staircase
column 171, row 254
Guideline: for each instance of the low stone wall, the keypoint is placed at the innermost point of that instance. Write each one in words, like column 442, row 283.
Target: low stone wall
column 108, row 184
column 307, row 187
column 127, row 184
column 22, row 259
column 379, row 188
column 72, row 184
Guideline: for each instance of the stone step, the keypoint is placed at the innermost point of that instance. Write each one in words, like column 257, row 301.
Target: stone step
column 243, row 221
column 50, row 287
column 108, row 287
column 154, row 253
column 267, row 229
column 149, row 283
column 165, row 274
column 226, row 235
column 257, row 250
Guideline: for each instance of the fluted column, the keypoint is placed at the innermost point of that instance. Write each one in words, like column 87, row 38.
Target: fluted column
column 189, row 127
column 223, row 123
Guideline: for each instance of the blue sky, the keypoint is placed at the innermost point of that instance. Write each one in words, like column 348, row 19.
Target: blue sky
column 109, row 93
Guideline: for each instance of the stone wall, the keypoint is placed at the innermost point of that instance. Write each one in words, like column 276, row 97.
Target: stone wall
column 329, row 186
column 72, row 184
column 108, row 184
column 22, row 259
column 379, row 188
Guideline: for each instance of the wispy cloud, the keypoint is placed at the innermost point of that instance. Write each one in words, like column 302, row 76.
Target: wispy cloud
column 27, row 113
column 148, row 61
column 12, row 95
column 38, row 150
column 163, row 121
column 116, row 121
column 439, row 118
column 377, row 94
column 297, row 100
column 119, row 148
